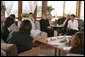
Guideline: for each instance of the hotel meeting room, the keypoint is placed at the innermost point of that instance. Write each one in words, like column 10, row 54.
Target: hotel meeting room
column 42, row 28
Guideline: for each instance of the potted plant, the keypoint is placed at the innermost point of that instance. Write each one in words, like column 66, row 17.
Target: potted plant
column 71, row 41
column 2, row 6
column 48, row 10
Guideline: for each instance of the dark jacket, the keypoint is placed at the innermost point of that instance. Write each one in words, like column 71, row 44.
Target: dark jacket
column 44, row 24
column 21, row 39
column 4, row 33
column 61, row 20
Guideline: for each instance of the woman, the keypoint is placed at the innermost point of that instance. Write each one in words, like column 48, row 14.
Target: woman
column 5, row 29
column 44, row 26
column 35, row 31
column 22, row 38
column 13, row 27
column 72, row 25
column 79, row 49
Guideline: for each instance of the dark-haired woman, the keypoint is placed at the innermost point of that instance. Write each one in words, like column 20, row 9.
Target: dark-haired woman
column 22, row 38
column 45, row 26
column 5, row 29
column 79, row 48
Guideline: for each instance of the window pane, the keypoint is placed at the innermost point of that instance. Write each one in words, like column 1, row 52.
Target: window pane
column 70, row 7
column 11, row 8
column 28, row 6
column 25, row 7
column 58, row 7
column 82, row 10
column 39, row 8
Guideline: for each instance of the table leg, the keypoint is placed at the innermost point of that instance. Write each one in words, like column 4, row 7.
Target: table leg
column 55, row 52
column 59, row 52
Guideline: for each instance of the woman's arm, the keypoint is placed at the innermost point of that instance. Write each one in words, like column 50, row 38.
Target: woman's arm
column 11, row 38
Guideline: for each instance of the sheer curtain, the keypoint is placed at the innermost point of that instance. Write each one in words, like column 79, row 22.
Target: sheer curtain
column 8, row 5
column 29, row 6
column 32, row 5
column 25, row 6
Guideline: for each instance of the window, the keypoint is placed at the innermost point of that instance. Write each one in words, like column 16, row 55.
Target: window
column 25, row 7
column 39, row 8
column 28, row 6
column 11, row 8
column 58, row 7
column 82, row 10
column 70, row 7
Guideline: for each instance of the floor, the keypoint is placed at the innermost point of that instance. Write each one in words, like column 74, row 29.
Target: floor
column 48, row 51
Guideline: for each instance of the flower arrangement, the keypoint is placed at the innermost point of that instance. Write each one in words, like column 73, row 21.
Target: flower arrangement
column 71, row 41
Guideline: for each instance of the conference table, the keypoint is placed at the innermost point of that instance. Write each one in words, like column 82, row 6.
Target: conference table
column 54, row 42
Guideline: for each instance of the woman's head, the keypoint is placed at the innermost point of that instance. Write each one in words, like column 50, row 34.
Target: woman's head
column 25, row 26
column 44, row 16
column 80, row 37
column 72, row 16
column 12, row 16
column 68, row 16
column 9, row 21
column 31, row 16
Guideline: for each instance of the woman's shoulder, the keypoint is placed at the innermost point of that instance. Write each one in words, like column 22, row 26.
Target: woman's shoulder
column 11, row 35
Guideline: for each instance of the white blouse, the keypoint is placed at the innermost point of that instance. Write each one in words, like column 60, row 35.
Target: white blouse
column 73, row 24
column 34, row 31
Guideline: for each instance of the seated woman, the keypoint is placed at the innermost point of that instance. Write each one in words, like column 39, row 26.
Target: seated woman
column 72, row 25
column 79, row 49
column 35, row 31
column 44, row 26
column 22, row 38
column 5, row 29
column 13, row 27
column 62, row 23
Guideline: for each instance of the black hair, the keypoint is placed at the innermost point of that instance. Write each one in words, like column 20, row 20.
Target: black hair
column 12, row 15
column 30, row 13
column 73, row 15
column 9, row 21
column 25, row 26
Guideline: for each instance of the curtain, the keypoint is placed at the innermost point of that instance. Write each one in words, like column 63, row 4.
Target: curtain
column 25, row 7
column 29, row 6
column 32, row 5
column 9, row 5
column 3, row 2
